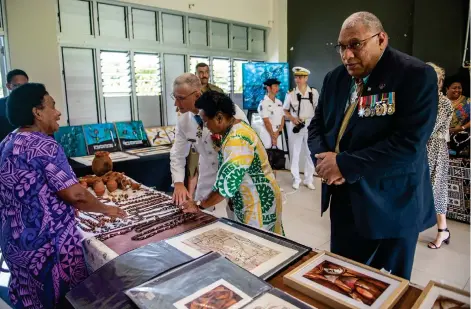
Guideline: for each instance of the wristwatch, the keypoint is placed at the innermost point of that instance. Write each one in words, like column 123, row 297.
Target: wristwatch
column 198, row 203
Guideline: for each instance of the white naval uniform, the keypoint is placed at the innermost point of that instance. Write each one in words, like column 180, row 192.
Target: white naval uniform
column 274, row 111
column 186, row 130
column 298, row 141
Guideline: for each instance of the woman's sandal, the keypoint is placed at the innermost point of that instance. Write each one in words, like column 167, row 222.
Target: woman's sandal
column 432, row 245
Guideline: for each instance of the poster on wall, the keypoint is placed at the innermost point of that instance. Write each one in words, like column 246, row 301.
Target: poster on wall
column 131, row 134
column 72, row 140
column 253, row 77
column 100, row 137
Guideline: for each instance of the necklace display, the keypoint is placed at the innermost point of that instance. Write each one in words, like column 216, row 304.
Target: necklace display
column 169, row 224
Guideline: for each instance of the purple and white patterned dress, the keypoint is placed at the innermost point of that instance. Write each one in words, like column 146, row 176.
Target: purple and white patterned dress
column 39, row 239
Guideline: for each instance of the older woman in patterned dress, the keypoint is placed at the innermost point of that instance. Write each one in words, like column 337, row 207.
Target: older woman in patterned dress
column 38, row 193
column 437, row 150
column 244, row 174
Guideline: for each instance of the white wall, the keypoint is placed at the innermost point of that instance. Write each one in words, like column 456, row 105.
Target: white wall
column 32, row 37
column 277, row 42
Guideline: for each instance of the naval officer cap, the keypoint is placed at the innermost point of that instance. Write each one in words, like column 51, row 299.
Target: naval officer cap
column 300, row 71
column 271, row 82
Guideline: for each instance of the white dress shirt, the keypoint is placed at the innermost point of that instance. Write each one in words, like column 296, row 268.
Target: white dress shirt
column 186, row 130
column 307, row 109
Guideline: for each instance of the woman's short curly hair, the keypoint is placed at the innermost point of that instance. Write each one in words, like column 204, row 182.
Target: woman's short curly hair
column 21, row 101
column 213, row 102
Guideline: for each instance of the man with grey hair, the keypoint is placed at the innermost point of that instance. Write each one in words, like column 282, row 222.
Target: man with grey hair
column 368, row 139
column 192, row 135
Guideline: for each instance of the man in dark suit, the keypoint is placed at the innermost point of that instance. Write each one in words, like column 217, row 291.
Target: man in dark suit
column 368, row 139
column 15, row 78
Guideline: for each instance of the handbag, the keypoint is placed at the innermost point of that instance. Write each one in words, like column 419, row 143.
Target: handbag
column 277, row 158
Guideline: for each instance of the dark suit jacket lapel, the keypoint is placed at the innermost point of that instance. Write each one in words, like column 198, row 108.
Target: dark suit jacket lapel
column 345, row 84
column 377, row 77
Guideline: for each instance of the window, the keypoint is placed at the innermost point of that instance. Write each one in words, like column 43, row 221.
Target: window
column 144, row 25
column 80, row 85
column 239, row 37
column 112, row 21
column 198, row 31
column 76, row 17
column 237, row 67
column 116, row 83
column 219, row 35
column 148, row 85
column 258, row 40
column 221, row 74
column 174, row 65
column 173, row 29
column 194, row 60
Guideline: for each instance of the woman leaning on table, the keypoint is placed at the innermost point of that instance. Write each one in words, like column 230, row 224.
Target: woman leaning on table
column 437, row 151
column 38, row 194
column 244, row 173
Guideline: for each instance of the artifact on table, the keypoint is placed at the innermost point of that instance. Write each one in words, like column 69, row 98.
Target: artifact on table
column 102, row 163
column 99, row 188
column 112, row 181
column 343, row 283
column 441, row 296
column 111, row 185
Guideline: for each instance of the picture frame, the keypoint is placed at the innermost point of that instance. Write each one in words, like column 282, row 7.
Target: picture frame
column 436, row 294
column 262, row 253
column 101, row 137
column 157, row 136
column 72, row 140
column 131, row 135
column 342, row 283
column 277, row 299
column 210, row 281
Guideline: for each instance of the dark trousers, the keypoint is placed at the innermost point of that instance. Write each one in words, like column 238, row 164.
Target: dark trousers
column 395, row 255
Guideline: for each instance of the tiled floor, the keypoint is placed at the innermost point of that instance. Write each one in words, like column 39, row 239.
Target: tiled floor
column 303, row 223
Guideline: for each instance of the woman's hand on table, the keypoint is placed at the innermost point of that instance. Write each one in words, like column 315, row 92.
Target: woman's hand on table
column 114, row 212
column 190, row 207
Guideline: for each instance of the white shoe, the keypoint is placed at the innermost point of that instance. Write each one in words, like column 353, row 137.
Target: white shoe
column 282, row 190
column 311, row 186
column 295, row 185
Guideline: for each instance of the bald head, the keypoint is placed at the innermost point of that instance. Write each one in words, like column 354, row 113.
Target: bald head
column 366, row 19
column 188, row 80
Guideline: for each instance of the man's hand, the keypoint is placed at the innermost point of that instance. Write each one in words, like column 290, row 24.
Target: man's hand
column 295, row 120
column 180, row 194
column 114, row 212
column 456, row 129
column 190, row 207
column 328, row 169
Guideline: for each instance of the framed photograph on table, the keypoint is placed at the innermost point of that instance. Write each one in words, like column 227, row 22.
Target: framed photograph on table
column 210, row 281
column 259, row 252
column 343, row 283
column 438, row 296
column 276, row 299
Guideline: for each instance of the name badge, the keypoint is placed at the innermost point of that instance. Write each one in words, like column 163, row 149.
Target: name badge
column 381, row 104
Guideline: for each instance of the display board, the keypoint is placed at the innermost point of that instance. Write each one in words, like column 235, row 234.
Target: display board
column 253, row 77
column 131, row 134
column 72, row 140
column 101, row 137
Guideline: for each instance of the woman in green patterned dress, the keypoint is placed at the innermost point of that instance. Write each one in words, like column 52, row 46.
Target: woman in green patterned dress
column 244, row 174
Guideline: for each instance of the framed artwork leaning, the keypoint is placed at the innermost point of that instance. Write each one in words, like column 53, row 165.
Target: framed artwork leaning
column 259, row 252
column 210, row 281
column 343, row 283
column 158, row 136
column 438, row 296
column 276, row 299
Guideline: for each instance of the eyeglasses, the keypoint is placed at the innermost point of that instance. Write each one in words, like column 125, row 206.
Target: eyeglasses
column 180, row 98
column 354, row 45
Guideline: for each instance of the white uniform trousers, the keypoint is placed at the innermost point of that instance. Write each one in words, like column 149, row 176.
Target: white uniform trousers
column 299, row 146
column 266, row 138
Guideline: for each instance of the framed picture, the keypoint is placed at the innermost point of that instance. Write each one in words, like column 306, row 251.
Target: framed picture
column 259, row 252
column 101, row 137
column 276, row 299
column 114, row 156
column 253, row 77
column 131, row 134
column 438, row 296
column 149, row 151
column 210, row 281
column 170, row 130
column 157, row 136
column 72, row 140
column 343, row 283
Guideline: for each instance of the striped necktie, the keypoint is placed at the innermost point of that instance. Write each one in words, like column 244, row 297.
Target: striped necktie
column 349, row 112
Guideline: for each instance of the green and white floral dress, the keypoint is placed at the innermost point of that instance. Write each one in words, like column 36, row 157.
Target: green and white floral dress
column 246, row 177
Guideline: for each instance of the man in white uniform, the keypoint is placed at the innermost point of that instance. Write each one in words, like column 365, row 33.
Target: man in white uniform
column 271, row 111
column 190, row 132
column 299, row 106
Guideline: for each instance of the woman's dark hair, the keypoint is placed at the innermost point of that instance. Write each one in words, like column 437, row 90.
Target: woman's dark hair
column 21, row 101
column 451, row 80
column 213, row 102
column 14, row 73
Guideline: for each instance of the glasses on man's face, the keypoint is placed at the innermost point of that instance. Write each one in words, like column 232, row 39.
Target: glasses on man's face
column 354, row 45
column 179, row 97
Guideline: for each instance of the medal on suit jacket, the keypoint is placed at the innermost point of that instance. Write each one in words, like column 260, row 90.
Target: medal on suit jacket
column 361, row 107
column 373, row 105
column 391, row 103
column 367, row 106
